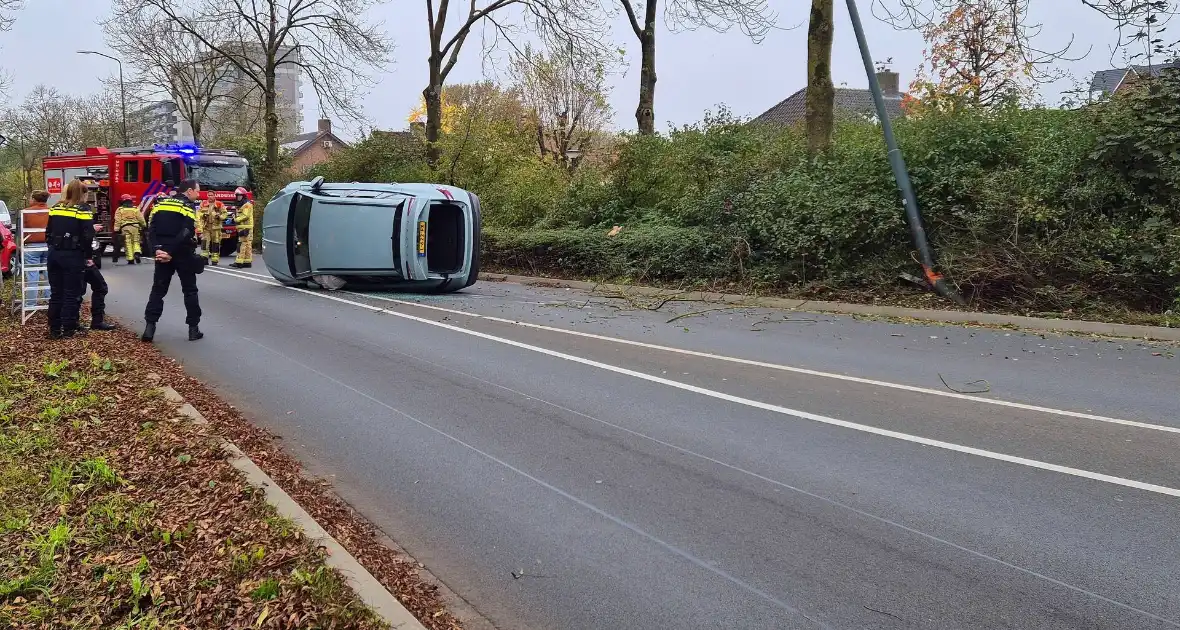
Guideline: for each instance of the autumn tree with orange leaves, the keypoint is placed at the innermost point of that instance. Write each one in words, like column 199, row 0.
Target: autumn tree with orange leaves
column 973, row 59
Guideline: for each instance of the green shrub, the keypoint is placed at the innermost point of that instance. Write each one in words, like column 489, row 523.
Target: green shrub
column 1033, row 209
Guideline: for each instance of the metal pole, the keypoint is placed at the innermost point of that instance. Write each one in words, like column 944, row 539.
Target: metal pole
column 122, row 88
column 897, row 163
column 123, row 102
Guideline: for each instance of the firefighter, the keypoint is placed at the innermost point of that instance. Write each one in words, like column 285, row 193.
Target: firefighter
column 172, row 233
column 92, row 277
column 209, row 219
column 70, row 235
column 129, row 222
column 244, row 219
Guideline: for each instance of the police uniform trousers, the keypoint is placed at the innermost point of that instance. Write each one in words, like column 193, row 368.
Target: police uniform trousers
column 66, row 270
column 184, row 266
column 98, row 286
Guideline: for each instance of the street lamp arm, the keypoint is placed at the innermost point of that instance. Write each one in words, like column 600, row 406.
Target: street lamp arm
column 122, row 87
column 95, row 52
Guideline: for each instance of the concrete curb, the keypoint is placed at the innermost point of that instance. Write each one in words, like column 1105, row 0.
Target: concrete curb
column 367, row 588
column 1157, row 333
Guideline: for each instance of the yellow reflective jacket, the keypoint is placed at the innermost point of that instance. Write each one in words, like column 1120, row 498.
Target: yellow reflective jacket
column 210, row 215
column 128, row 215
column 244, row 219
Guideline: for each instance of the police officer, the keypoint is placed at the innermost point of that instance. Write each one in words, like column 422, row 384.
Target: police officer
column 172, row 232
column 98, row 285
column 128, row 222
column 244, row 219
column 69, row 232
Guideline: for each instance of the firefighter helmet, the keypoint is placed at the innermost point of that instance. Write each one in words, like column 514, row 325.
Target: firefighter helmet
column 126, row 197
column 241, row 192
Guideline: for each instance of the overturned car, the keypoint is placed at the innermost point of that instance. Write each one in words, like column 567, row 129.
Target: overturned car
column 419, row 237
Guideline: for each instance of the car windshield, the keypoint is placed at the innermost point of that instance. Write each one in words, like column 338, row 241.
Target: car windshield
column 220, row 173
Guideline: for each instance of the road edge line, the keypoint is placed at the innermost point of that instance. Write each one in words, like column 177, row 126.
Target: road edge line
column 1130, row 331
column 367, row 588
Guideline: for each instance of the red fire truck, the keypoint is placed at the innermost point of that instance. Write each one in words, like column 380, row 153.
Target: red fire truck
column 143, row 172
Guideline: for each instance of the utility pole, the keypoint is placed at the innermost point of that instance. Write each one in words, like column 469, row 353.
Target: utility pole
column 122, row 88
column 897, row 163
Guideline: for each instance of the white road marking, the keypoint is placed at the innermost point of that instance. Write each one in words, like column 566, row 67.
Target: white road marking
column 708, row 566
column 773, row 366
column 950, row 446
column 787, row 486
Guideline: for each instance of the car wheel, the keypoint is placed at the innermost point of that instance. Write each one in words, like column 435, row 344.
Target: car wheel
column 228, row 247
column 13, row 265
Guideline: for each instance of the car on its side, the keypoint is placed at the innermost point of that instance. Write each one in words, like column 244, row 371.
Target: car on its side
column 418, row 237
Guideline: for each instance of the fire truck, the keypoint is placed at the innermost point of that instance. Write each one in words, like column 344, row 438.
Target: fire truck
column 143, row 173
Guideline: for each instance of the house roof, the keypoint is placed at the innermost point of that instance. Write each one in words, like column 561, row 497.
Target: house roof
column 848, row 101
column 1110, row 80
column 300, row 143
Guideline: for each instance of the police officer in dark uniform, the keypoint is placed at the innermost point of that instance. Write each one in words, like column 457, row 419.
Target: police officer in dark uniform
column 69, row 233
column 172, row 234
column 92, row 276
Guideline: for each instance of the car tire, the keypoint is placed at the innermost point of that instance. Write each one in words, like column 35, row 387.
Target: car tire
column 228, row 247
column 13, row 265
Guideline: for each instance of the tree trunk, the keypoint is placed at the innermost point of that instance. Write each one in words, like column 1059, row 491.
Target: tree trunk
column 272, row 121
column 645, row 115
column 821, row 96
column 433, row 97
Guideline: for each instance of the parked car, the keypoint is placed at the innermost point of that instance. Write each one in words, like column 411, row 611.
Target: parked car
column 5, row 216
column 422, row 237
column 9, row 261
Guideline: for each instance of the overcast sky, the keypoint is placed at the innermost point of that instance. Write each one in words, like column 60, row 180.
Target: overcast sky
column 697, row 70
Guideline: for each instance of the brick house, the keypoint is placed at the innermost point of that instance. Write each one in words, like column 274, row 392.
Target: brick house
column 849, row 102
column 1107, row 82
column 314, row 147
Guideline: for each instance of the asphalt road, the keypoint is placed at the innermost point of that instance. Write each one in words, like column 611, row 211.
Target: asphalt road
column 737, row 468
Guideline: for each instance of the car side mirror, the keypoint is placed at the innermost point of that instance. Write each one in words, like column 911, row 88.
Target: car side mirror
column 316, row 183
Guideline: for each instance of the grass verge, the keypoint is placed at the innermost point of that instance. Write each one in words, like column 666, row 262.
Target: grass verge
column 118, row 515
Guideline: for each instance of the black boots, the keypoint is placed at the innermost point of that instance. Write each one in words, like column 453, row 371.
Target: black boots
column 194, row 333
column 73, row 332
column 98, row 323
column 137, row 260
column 54, row 334
column 149, row 332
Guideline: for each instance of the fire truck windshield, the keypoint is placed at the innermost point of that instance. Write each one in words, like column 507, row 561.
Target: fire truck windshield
column 220, row 173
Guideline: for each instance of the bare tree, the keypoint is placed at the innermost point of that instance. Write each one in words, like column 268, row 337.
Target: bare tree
column 8, row 9
column 327, row 39
column 45, row 121
column 577, row 23
column 820, row 99
column 170, row 63
column 753, row 18
column 1134, row 20
column 565, row 94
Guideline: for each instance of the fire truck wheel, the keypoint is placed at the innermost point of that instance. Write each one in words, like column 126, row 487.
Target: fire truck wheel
column 229, row 246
